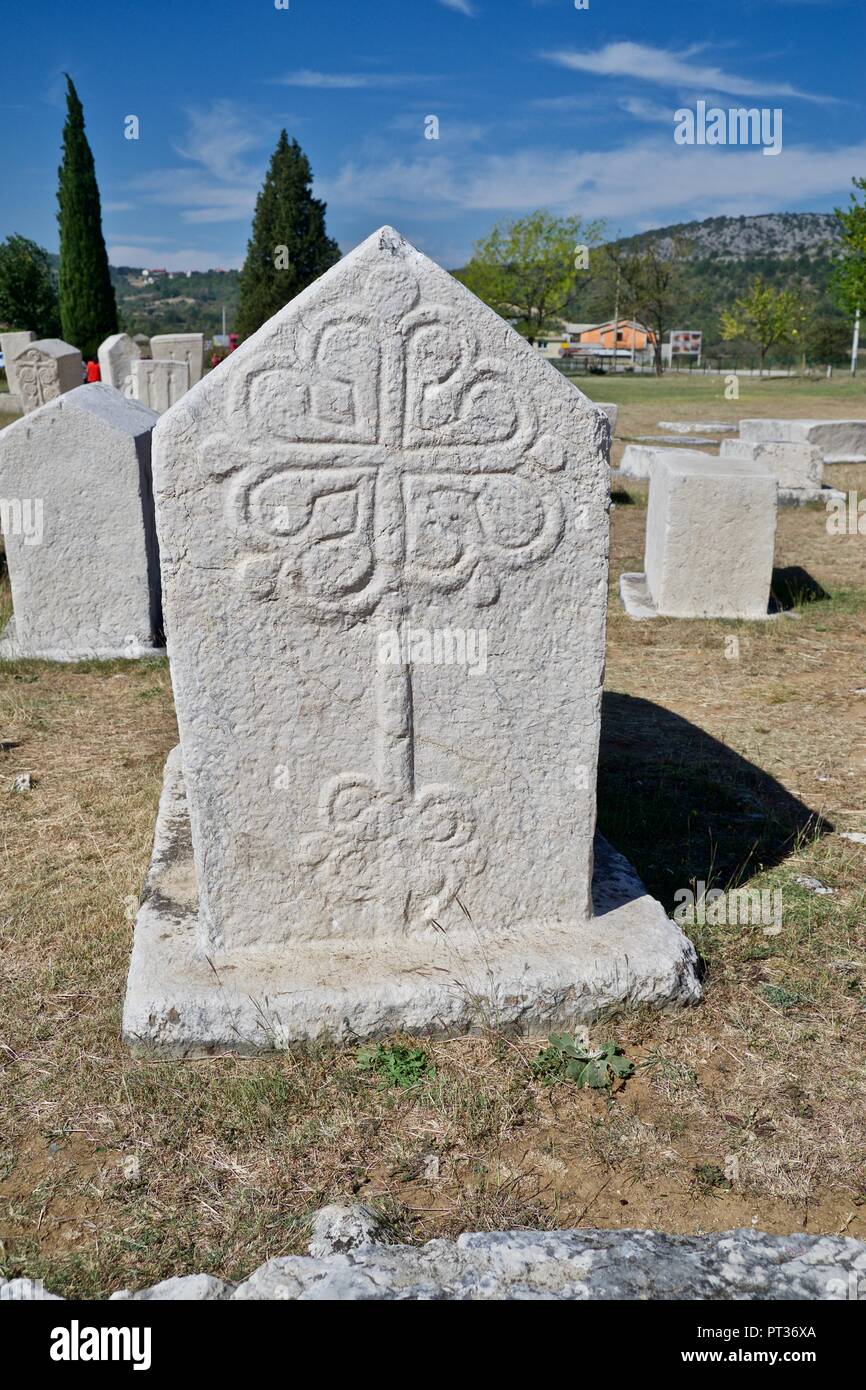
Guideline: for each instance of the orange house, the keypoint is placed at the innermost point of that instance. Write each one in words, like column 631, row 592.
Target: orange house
column 626, row 335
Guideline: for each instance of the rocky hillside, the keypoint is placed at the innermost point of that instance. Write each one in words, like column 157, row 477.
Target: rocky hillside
column 806, row 236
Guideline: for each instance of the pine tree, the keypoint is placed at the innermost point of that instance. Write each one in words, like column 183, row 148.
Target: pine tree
column 88, row 312
column 289, row 247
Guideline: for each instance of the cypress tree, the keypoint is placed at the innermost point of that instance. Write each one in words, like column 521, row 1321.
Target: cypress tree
column 289, row 247
column 88, row 312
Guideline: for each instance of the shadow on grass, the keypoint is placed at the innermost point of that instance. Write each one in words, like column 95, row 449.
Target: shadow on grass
column 793, row 587
column 684, row 807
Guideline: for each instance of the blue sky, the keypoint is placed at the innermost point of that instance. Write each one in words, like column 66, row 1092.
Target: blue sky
column 539, row 105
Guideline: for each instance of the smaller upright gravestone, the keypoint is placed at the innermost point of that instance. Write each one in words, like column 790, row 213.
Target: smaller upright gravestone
column 45, row 370
column 159, row 384
column 77, row 514
column 710, row 532
column 116, row 356
column 10, row 346
column 181, row 347
column 360, row 833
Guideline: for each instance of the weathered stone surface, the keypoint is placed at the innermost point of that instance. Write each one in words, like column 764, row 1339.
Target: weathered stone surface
column 78, row 529
column 710, row 532
column 159, row 384
column 45, row 370
column 339, row 1229
column 840, row 441
column 698, row 426
column 638, row 459
column 793, row 465
column 381, row 838
column 116, row 356
column 181, row 347
column 611, row 410
column 678, row 441
column 582, row 1265
column 9, row 404
column 200, row 1288
column 10, row 346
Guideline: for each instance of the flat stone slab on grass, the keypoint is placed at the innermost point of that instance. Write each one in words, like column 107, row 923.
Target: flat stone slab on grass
column 698, row 426
column 680, row 441
column 710, row 531
column 79, row 533
column 840, row 441
column 638, row 460
column 579, row 1266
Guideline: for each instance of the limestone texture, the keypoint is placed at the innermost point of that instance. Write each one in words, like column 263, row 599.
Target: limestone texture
column 116, row 356
column 181, row 347
column 78, row 529
column 710, row 533
column 382, row 837
column 577, row 1266
column 10, row 346
column 46, row 369
column 840, row 441
column 159, row 384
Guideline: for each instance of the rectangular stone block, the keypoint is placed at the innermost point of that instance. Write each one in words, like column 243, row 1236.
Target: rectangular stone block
column 159, row 384
column 638, row 460
column 77, row 518
column 840, row 441
column 798, row 466
column 181, row 347
column 710, row 533
column 10, row 345
column 383, row 472
column 46, row 369
column 116, row 356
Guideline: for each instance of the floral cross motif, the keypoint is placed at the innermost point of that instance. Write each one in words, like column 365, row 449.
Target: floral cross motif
column 391, row 463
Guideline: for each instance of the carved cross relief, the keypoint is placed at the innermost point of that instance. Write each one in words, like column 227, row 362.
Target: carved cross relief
column 390, row 463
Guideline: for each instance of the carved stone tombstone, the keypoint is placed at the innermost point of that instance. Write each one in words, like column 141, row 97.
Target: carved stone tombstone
column 181, row 347
column 116, row 356
column 159, row 384
column 45, row 370
column 76, row 510
column 386, row 833
column 10, row 345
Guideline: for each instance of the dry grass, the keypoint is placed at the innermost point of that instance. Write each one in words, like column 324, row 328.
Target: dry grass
column 121, row 1172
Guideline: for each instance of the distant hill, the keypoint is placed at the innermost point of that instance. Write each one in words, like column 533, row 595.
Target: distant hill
column 781, row 236
column 157, row 301
column 789, row 250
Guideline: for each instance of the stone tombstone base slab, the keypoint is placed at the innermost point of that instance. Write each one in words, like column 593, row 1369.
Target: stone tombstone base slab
column 698, row 426
column 181, row 1003
column 639, row 603
column 13, row 650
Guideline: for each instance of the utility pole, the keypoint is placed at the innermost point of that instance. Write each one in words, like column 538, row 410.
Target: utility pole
column 615, row 317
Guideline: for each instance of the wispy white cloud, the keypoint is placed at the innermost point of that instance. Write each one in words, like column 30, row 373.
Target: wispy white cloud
column 461, row 6
column 341, row 81
column 646, row 179
column 223, row 148
column 647, row 110
column 678, row 70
